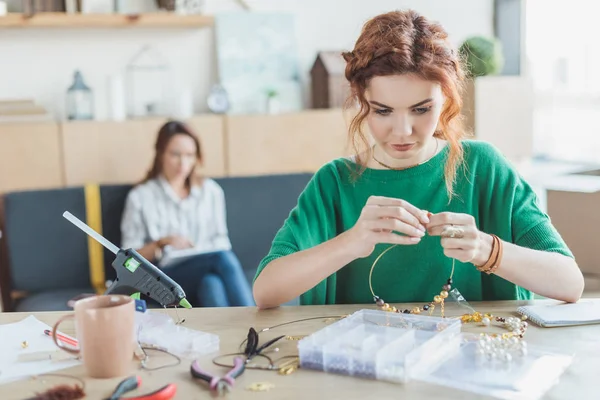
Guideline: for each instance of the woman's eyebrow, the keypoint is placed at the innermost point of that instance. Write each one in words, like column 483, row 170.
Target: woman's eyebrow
column 376, row 103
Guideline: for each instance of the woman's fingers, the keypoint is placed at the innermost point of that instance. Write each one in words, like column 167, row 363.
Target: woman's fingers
column 449, row 218
column 394, row 238
column 420, row 215
column 457, row 244
column 458, row 231
column 391, row 224
column 394, row 212
column 460, row 255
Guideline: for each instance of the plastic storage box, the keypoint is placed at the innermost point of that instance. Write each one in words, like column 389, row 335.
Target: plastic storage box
column 380, row 345
column 401, row 347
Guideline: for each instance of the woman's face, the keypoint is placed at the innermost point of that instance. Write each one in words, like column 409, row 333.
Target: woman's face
column 179, row 158
column 404, row 115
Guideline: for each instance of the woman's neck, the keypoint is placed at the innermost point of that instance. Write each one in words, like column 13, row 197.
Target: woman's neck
column 179, row 187
column 380, row 159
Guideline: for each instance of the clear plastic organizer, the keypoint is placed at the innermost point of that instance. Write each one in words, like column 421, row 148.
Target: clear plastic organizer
column 398, row 347
column 379, row 345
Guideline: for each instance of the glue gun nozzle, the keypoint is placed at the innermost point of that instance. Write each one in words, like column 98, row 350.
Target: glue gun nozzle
column 185, row 304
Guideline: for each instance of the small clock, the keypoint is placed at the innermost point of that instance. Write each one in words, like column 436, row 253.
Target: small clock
column 190, row 6
column 218, row 100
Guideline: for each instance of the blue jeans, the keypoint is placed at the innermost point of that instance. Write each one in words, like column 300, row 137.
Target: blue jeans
column 213, row 280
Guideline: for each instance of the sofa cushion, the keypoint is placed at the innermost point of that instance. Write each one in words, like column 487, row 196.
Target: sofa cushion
column 46, row 252
column 257, row 206
column 113, row 202
column 51, row 300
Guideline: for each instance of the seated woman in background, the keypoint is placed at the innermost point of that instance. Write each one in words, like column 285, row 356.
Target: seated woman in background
column 174, row 209
column 417, row 188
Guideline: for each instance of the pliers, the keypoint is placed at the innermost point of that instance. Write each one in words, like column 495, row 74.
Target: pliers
column 166, row 392
column 216, row 383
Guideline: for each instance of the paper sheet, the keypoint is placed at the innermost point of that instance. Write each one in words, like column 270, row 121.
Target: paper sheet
column 29, row 329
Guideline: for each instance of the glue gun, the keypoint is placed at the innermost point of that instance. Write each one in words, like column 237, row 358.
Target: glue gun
column 135, row 274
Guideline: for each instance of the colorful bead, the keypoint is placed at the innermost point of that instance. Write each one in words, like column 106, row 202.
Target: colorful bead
column 425, row 307
column 394, row 309
column 449, row 282
column 443, row 294
column 416, row 310
column 437, row 299
column 380, row 302
column 447, row 288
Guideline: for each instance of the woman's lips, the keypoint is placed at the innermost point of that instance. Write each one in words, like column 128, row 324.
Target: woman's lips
column 402, row 147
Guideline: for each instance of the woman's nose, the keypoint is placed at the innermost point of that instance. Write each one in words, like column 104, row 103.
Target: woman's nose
column 402, row 126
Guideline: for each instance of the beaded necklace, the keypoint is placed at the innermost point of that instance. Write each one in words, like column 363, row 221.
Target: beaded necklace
column 437, row 299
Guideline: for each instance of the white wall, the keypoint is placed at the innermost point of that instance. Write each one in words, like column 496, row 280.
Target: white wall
column 39, row 63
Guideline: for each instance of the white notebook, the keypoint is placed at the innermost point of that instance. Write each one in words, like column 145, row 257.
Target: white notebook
column 173, row 257
column 584, row 312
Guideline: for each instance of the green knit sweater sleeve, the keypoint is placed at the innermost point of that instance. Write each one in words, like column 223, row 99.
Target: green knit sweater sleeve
column 515, row 204
column 311, row 222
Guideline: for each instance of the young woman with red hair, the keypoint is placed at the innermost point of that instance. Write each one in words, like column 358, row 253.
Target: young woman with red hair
column 417, row 178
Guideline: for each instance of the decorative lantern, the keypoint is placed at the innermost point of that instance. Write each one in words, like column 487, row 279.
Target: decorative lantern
column 147, row 77
column 80, row 100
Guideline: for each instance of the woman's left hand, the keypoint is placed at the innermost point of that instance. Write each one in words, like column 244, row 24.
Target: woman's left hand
column 461, row 239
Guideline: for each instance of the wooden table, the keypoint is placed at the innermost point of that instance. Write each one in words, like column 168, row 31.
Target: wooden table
column 579, row 382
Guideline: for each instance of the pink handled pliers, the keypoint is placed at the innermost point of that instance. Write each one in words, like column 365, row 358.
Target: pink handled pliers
column 218, row 383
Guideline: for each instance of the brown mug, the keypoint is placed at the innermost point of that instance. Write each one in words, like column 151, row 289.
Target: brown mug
column 104, row 327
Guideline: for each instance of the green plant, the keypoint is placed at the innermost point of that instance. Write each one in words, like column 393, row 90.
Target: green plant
column 482, row 56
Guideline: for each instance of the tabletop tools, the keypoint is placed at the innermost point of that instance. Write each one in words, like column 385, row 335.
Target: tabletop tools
column 219, row 384
column 133, row 382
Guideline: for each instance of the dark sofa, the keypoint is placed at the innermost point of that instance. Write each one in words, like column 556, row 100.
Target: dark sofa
column 44, row 258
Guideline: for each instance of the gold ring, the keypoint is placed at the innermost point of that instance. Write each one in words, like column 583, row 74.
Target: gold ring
column 453, row 232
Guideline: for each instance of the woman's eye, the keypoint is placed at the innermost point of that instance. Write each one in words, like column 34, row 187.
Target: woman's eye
column 422, row 110
column 382, row 111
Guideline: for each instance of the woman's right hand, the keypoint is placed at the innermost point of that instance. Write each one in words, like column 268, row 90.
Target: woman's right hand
column 176, row 242
column 379, row 221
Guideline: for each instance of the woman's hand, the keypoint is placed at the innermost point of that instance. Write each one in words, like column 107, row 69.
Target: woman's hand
column 379, row 221
column 461, row 239
column 176, row 242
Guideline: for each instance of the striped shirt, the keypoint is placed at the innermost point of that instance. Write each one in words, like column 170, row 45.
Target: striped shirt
column 153, row 211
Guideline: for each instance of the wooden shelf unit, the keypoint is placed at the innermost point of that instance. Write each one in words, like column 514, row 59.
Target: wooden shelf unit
column 83, row 21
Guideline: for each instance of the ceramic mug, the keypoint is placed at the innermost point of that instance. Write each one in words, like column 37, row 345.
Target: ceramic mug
column 104, row 327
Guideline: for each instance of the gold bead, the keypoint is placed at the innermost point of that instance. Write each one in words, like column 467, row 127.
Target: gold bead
column 24, row 344
column 437, row 299
column 416, row 310
column 287, row 370
column 523, row 317
column 394, row 309
column 443, row 294
column 386, row 306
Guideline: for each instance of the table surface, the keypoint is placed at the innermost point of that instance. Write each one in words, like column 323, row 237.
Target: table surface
column 232, row 324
